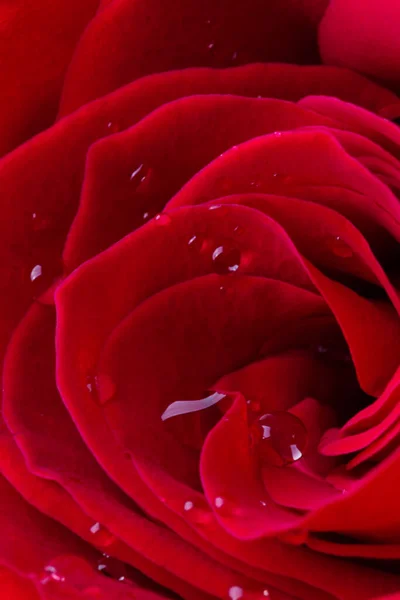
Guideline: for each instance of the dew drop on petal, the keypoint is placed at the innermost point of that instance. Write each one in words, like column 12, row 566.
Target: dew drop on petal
column 51, row 575
column 278, row 438
column 254, row 405
column 112, row 127
column 162, row 219
column 340, row 248
column 197, row 512
column 112, row 567
column 183, row 407
column 36, row 272
column 226, row 260
column 235, row 593
column 101, row 535
column 139, row 174
column 224, row 506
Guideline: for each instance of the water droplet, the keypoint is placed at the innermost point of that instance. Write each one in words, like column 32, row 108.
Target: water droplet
column 211, row 46
column 278, row 438
column 101, row 535
column 238, row 230
column 162, row 219
column 101, row 386
column 214, row 207
column 50, row 574
column 254, row 405
column 34, row 215
column 340, row 248
column 224, row 506
column 197, row 512
column 113, row 568
column 184, row 407
column 112, row 127
column 254, row 184
column 277, row 133
column 36, row 272
column 234, row 56
column 139, row 174
column 263, row 503
column 235, row 592
column 196, row 243
column 226, row 260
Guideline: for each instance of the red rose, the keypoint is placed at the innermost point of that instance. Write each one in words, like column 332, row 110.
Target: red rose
column 200, row 328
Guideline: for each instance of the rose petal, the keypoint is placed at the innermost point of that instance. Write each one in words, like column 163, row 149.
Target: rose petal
column 207, row 34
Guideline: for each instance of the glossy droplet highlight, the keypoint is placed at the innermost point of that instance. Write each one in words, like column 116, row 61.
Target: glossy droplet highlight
column 162, row 219
column 139, row 174
column 340, row 248
column 235, row 593
column 36, row 272
column 51, row 575
column 224, row 506
column 197, row 512
column 112, row 127
column 226, row 260
column 254, row 405
column 101, row 535
column 238, row 593
column 113, row 568
column 278, row 438
column 102, row 387
column 182, row 407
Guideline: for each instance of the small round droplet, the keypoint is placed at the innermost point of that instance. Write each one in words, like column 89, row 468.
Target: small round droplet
column 254, row 184
column 234, row 57
column 254, row 405
column 238, row 230
column 196, row 243
column 226, row 260
column 112, row 127
column 277, row 133
column 224, row 506
column 162, row 219
column 211, row 46
column 197, row 512
column 278, row 438
column 101, row 535
column 36, row 272
column 235, row 593
column 340, row 248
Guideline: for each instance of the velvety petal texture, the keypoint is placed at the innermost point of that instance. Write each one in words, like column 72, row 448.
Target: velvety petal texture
column 199, row 299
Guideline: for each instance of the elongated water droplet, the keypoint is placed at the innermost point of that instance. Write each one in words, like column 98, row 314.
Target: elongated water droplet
column 36, row 272
column 182, row 407
column 278, row 438
column 226, row 260
column 101, row 535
